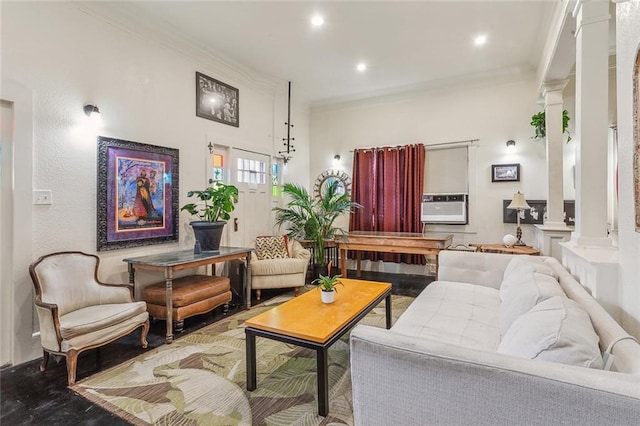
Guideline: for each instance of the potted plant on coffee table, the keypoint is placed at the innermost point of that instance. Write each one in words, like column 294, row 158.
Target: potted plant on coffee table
column 327, row 285
column 216, row 204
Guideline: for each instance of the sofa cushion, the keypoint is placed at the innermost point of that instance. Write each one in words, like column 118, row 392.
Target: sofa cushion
column 555, row 330
column 452, row 312
column 278, row 266
column 521, row 290
column 272, row 247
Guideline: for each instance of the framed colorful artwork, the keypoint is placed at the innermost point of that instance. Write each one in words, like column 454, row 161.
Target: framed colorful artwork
column 217, row 101
column 137, row 194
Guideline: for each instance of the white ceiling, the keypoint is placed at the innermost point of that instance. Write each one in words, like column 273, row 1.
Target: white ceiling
column 405, row 44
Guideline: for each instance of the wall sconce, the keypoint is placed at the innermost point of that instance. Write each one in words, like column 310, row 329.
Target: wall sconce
column 91, row 111
column 511, row 146
column 518, row 204
column 336, row 158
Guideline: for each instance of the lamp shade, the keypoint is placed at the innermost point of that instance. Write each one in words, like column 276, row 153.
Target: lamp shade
column 518, row 202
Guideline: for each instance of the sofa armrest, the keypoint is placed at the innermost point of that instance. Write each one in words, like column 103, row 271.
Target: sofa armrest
column 406, row 380
column 49, row 323
column 115, row 293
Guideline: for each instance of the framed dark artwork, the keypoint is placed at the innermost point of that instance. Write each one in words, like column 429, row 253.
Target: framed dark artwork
column 505, row 172
column 535, row 216
column 137, row 194
column 217, row 101
column 636, row 138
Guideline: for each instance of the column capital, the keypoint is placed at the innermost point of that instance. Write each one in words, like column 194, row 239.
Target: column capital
column 554, row 86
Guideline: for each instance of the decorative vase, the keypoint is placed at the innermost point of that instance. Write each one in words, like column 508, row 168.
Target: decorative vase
column 208, row 234
column 327, row 296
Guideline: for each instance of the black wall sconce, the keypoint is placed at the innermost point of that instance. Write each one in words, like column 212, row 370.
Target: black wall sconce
column 511, row 145
column 91, row 111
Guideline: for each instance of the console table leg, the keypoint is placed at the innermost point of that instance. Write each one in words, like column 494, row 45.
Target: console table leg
column 168, row 275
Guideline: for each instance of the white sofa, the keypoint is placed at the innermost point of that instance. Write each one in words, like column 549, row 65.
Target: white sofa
column 468, row 352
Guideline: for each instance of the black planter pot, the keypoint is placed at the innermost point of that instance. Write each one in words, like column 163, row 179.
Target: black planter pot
column 319, row 269
column 208, row 234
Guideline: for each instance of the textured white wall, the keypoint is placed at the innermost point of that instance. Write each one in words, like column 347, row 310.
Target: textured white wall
column 146, row 93
column 627, row 45
column 492, row 112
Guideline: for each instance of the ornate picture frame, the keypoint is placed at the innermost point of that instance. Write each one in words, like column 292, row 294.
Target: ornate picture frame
column 636, row 138
column 505, row 172
column 217, row 101
column 137, row 201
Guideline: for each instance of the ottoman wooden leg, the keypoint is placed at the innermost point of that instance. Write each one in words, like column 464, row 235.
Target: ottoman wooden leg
column 258, row 294
column 178, row 326
column 225, row 309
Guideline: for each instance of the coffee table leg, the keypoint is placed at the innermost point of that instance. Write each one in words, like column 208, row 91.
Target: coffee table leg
column 251, row 360
column 323, row 381
column 387, row 305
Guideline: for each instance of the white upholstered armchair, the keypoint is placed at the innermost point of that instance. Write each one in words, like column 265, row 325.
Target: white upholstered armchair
column 77, row 312
column 279, row 272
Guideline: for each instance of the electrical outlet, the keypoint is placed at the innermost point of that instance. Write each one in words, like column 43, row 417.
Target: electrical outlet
column 42, row 197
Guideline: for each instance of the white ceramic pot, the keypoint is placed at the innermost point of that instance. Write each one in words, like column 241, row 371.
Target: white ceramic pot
column 328, row 296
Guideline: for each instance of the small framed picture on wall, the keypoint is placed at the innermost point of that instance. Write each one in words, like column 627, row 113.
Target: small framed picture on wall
column 505, row 172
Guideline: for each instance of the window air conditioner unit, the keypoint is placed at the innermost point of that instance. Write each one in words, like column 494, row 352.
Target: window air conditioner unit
column 448, row 209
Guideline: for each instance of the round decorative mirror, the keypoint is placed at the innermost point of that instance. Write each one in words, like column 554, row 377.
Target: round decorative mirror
column 327, row 178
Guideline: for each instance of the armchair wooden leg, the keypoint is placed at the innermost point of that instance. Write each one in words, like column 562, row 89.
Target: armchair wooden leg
column 72, row 363
column 296, row 291
column 143, row 335
column 258, row 294
column 45, row 360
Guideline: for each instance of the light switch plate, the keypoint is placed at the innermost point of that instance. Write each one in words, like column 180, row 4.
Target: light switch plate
column 42, row 197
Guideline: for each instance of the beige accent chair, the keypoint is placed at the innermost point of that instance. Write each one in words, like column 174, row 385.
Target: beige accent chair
column 77, row 312
column 281, row 273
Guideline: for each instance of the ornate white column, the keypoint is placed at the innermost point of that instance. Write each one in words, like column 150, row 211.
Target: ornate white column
column 554, row 106
column 592, row 104
column 554, row 230
column 590, row 255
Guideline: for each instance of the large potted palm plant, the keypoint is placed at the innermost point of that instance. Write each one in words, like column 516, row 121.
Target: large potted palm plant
column 217, row 202
column 312, row 218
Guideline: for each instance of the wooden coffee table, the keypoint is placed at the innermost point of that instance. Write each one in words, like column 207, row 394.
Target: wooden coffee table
column 307, row 322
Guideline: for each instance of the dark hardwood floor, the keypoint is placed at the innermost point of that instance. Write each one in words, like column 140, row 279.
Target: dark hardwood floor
column 28, row 396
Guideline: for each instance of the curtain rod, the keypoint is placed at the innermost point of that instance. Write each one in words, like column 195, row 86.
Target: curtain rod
column 468, row 141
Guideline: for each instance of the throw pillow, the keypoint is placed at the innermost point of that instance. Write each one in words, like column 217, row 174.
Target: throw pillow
column 522, row 290
column 555, row 330
column 272, row 247
column 533, row 261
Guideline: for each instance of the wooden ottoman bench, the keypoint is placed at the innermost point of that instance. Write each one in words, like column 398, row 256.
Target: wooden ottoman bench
column 192, row 295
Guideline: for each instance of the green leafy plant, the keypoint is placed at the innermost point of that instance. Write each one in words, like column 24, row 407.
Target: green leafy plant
column 540, row 128
column 310, row 218
column 328, row 283
column 217, row 201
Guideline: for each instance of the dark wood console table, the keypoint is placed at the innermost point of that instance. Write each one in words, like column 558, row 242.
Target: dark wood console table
column 178, row 260
column 390, row 242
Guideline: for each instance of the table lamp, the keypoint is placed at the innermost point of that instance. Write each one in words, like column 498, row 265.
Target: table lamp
column 518, row 203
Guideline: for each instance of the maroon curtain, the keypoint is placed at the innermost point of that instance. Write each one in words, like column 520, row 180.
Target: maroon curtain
column 388, row 183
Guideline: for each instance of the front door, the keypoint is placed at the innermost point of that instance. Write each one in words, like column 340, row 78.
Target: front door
column 250, row 172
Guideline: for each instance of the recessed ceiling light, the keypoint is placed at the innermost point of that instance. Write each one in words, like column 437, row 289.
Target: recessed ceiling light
column 317, row 21
column 480, row 40
column 361, row 67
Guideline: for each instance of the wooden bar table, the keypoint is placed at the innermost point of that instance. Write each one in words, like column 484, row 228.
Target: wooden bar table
column 171, row 262
column 390, row 242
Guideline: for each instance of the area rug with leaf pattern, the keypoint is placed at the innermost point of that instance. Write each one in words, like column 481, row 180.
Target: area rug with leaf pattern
column 200, row 379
